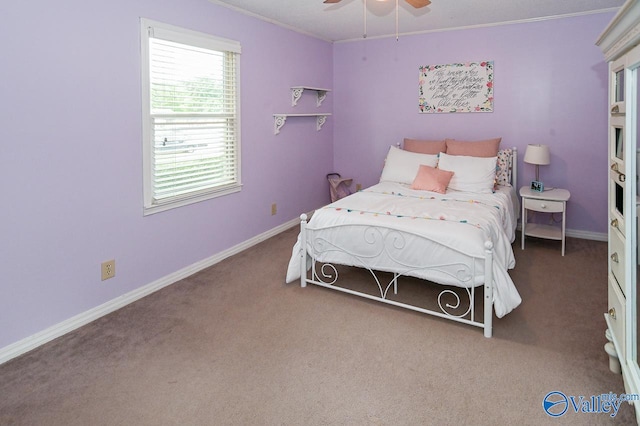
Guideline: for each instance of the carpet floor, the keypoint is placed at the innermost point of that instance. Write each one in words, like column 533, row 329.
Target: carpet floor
column 234, row 345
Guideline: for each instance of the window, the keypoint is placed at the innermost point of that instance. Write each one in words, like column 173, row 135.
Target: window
column 190, row 98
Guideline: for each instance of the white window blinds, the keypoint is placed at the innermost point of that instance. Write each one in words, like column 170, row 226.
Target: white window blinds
column 193, row 140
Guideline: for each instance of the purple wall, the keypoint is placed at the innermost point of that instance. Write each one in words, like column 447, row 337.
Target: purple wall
column 71, row 155
column 550, row 87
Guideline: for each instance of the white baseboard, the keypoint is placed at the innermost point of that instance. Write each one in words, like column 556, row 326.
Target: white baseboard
column 38, row 339
column 587, row 235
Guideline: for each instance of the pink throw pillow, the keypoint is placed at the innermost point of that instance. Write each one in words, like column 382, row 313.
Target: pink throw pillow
column 423, row 146
column 432, row 179
column 485, row 148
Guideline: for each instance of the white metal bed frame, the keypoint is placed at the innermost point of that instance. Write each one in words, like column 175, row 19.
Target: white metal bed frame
column 388, row 240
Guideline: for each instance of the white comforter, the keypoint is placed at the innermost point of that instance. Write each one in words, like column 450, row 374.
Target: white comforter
column 459, row 223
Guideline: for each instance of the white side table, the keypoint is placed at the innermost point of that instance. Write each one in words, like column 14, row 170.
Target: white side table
column 550, row 201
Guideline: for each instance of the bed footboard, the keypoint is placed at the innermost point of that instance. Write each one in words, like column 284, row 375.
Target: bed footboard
column 386, row 242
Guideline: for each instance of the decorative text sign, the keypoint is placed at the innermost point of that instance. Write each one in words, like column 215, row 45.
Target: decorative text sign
column 464, row 87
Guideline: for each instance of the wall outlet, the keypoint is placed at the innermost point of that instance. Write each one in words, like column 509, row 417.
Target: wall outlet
column 108, row 269
column 274, row 209
column 358, row 186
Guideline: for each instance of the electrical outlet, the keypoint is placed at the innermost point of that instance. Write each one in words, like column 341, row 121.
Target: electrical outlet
column 108, row 269
column 274, row 209
column 358, row 186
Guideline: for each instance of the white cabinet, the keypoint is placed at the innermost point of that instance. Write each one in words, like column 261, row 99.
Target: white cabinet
column 619, row 43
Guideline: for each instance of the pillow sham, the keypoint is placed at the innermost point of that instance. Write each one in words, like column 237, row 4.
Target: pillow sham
column 402, row 166
column 424, row 146
column 483, row 148
column 432, row 179
column 471, row 174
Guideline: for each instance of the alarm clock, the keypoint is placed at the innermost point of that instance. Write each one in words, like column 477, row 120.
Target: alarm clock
column 537, row 186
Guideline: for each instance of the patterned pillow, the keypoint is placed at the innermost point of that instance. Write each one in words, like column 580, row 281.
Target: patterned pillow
column 503, row 172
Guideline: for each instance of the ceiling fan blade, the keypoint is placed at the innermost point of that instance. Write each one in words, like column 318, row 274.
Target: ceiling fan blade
column 332, row 1
column 419, row 3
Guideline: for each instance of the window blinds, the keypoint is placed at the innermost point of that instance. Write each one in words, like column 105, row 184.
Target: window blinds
column 193, row 113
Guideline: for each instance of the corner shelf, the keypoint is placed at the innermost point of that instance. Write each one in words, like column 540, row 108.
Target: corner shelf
column 296, row 93
column 280, row 119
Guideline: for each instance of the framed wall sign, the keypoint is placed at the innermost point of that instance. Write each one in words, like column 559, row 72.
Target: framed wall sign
column 463, row 87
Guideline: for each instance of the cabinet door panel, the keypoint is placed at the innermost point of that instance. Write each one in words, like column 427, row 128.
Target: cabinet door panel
column 617, row 258
column 616, row 315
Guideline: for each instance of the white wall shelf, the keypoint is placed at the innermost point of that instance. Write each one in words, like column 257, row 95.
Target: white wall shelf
column 280, row 119
column 296, row 93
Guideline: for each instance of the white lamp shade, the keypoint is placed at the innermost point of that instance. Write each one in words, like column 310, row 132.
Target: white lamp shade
column 537, row 154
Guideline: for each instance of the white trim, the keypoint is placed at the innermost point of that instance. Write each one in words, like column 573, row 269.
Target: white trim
column 587, row 235
column 170, row 32
column 32, row 342
column 157, row 208
column 495, row 24
column 622, row 33
column 154, row 29
column 269, row 20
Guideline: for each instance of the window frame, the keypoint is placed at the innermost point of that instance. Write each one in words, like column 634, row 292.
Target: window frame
column 153, row 29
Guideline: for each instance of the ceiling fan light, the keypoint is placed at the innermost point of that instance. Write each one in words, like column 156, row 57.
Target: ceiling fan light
column 419, row 3
column 414, row 3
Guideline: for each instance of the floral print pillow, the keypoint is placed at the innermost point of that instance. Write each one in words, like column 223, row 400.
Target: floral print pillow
column 503, row 172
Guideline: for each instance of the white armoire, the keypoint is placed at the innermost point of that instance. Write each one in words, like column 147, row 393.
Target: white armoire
column 620, row 43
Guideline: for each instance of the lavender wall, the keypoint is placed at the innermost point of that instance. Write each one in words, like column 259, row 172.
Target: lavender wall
column 71, row 155
column 550, row 87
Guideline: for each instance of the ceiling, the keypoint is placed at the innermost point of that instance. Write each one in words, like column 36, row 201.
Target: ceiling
column 345, row 20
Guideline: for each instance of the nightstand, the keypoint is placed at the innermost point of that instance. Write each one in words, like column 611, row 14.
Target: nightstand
column 549, row 201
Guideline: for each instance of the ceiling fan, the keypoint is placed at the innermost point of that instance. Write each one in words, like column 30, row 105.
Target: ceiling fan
column 415, row 3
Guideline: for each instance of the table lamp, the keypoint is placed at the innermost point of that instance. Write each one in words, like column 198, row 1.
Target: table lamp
column 540, row 156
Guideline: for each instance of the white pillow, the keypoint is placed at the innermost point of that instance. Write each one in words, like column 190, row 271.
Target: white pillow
column 471, row 174
column 402, row 166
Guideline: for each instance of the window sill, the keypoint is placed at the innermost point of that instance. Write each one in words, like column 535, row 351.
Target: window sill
column 169, row 205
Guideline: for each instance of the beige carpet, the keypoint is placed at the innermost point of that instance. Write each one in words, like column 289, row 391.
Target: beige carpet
column 234, row 345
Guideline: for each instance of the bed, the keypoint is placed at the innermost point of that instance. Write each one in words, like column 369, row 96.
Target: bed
column 454, row 229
